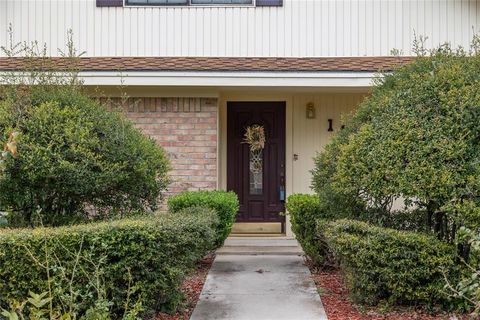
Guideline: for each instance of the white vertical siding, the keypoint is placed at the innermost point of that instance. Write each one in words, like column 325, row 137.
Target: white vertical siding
column 299, row 28
column 311, row 135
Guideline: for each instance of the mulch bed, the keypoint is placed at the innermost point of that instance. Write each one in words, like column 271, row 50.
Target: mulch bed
column 334, row 295
column 191, row 287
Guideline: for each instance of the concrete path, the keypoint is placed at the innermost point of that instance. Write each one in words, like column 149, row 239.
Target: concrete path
column 259, row 279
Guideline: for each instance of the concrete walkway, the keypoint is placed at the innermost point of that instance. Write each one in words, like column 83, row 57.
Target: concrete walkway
column 259, row 279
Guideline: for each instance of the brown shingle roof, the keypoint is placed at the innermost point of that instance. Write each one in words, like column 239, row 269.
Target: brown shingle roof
column 221, row 64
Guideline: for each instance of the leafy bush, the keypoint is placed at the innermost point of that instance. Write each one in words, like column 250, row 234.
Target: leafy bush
column 416, row 138
column 339, row 202
column 73, row 155
column 65, row 154
column 132, row 261
column 386, row 265
column 304, row 210
column 224, row 203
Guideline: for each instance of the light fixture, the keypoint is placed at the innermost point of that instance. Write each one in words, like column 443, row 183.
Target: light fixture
column 310, row 110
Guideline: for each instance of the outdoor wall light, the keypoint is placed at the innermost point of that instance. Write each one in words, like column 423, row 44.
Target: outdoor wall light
column 310, row 110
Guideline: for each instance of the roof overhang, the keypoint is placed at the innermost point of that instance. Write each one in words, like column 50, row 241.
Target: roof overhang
column 349, row 79
column 216, row 72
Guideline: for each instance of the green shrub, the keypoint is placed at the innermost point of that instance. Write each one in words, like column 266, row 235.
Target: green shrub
column 140, row 261
column 415, row 138
column 389, row 266
column 74, row 154
column 304, row 211
column 66, row 157
column 224, row 203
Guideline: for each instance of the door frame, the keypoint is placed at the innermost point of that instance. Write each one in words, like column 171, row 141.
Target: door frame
column 284, row 118
column 236, row 94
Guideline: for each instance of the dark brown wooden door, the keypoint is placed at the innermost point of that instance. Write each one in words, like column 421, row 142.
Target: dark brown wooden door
column 258, row 179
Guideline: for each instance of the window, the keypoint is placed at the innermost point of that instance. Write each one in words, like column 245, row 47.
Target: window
column 256, row 172
column 221, row 1
column 156, row 2
column 185, row 2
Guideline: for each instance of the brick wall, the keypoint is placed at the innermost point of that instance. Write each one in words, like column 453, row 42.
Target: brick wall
column 187, row 129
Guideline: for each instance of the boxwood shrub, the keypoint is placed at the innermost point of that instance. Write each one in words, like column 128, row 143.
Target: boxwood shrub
column 389, row 266
column 304, row 210
column 224, row 203
column 136, row 260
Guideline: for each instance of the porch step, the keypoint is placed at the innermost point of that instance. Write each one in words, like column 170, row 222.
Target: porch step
column 257, row 228
column 257, row 235
column 255, row 251
column 260, row 246
column 260, row 242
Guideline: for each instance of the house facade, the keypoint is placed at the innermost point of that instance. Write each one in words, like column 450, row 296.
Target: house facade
column 199, row 73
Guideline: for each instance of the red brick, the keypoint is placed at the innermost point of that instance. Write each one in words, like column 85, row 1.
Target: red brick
column 187, row 129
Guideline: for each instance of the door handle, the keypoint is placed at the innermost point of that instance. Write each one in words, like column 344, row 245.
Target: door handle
column 282, row 182
column 282, row 193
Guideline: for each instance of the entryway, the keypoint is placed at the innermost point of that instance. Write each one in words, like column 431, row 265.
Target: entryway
column 256, row 165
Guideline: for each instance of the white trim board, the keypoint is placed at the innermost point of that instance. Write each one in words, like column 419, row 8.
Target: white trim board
column 230, row 79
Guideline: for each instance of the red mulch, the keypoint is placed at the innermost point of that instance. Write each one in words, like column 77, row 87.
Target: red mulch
column 338, row 306
column 191, row 287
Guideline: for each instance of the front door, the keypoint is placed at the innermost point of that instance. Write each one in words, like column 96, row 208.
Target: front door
column 257, row 176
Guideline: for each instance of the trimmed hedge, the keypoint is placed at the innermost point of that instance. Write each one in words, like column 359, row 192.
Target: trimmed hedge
column 304, row 210
column 386, row 265
column 224, row 203
column 149, row 255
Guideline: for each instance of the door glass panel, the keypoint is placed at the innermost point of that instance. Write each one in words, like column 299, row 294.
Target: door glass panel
column 256, row 172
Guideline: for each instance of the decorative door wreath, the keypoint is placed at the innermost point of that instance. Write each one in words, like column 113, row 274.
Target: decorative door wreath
column 255, row 138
